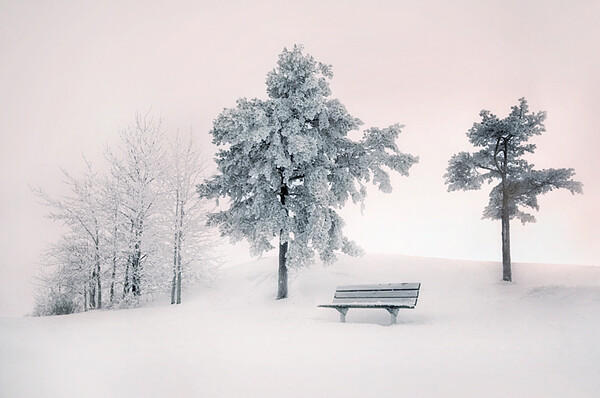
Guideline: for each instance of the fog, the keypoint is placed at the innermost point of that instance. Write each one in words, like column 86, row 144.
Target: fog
column 73, row 74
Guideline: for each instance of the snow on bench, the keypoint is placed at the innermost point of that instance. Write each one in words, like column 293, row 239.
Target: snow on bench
column 389, row 296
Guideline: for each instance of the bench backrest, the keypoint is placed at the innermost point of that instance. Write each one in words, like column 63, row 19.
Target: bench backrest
column 393, row 293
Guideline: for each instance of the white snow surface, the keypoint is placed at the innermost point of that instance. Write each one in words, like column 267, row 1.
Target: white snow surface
column 470, row 335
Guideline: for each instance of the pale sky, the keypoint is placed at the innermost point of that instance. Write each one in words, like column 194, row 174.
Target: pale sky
column 73, row 74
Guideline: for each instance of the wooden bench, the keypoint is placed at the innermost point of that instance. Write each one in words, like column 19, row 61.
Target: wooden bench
column 389, row 296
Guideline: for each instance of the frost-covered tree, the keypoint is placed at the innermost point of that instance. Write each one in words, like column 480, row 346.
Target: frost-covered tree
column 503, row 144
column 192, row 242
column 131, row 230
column 137, row 169
column 114, row 227
column 286, row 164
column 70, row 279
column 80, row 211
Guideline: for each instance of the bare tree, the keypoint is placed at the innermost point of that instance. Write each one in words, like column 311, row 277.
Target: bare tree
column 193, row 245
column 140, row 229
column 80, row 212
column 136, row 170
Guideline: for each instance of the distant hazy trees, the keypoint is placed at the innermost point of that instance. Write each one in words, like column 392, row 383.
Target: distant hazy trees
column 503, row 143
column 136, row 231
column 137, row 168
column 286, row 165
column 77, row 255
column 185, row 217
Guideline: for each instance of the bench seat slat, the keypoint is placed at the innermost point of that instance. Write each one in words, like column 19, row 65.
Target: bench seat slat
column 398, row 301
column 377, row 293
column 365, row 305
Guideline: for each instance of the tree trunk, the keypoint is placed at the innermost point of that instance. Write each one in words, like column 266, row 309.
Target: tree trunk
column 282, row 280
column 506, row 271
column 85, row 305
column 282, row 285
column 92, row 291
column 506, row 263
column 136, row 264
column 128, row 268
column 114, row 260
column 112, row 276
column 126, row 286
column 99, row 287
column 173, row 286
column 179, row 284
column 174, row 282
column 179, row 250
column 135, row 271
column 98, row 279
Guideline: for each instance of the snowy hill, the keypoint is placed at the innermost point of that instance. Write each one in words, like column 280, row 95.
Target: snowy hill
column 471, row 335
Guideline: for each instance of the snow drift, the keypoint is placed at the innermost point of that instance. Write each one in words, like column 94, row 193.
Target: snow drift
column 471, row 335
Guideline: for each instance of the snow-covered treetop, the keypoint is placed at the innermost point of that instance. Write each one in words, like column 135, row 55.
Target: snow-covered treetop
column 298, row 75
column 503, row 143
column 286, row 163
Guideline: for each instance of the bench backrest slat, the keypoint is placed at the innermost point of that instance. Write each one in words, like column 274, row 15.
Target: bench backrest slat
column 380, row 286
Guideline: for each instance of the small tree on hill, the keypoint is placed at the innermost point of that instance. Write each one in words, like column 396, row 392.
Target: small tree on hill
column 286, row 164
column 503, row 143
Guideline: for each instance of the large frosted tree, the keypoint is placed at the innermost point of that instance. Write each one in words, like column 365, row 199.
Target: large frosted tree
column 503, row 144
column 286, row 164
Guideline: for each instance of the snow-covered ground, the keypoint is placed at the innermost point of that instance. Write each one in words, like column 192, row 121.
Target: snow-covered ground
column 470, row 336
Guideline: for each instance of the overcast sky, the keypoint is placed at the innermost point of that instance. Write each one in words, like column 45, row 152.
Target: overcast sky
column 73, row 74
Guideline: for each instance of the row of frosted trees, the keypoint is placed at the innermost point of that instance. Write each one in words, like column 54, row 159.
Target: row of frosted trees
column 132, row 232
column 286, row 165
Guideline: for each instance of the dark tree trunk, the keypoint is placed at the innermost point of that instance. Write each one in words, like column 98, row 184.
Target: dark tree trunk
column 128, row 268
column 282, row 281
column 112, row 276
column 173, row 287
column 126, row 285
column 506, row 266
column 179, row 284
column 135, row 272
column 506, row 271
column 99, row 287
column 136, row 263
column 92, row 291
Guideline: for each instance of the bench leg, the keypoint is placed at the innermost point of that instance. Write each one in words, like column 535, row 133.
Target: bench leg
column 393, row 314
column 342, row 312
